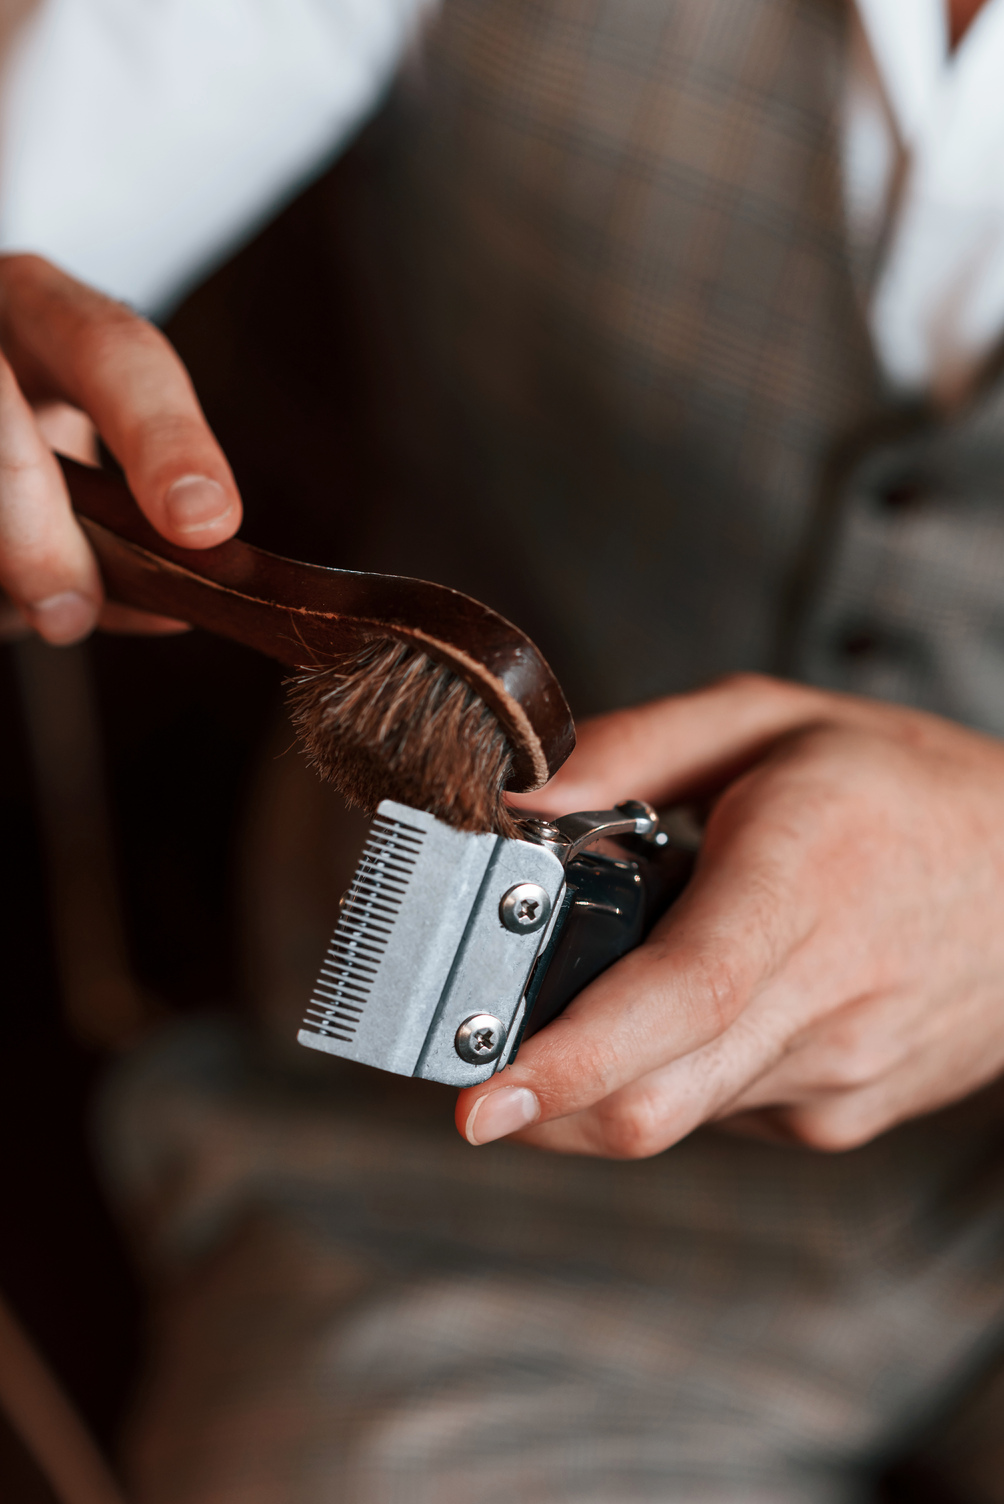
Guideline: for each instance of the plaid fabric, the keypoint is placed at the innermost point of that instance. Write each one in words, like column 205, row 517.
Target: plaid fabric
column 357, row 1306
column 613, row 230
column 908, row 575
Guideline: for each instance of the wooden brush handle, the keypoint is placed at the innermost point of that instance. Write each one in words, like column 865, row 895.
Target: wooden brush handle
column 305, row 615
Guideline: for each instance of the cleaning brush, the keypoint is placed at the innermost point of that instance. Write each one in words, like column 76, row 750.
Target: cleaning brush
column 403, row 689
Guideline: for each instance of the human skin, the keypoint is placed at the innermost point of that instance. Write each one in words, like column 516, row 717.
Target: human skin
column 961, row 15
column 74, row 363
column 837, row 963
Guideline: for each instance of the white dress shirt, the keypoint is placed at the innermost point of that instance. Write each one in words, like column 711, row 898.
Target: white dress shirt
column 924, row 181
column 141, row 139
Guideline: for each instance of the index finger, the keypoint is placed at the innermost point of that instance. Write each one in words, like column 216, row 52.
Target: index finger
column 67, row 341
column 744, row 915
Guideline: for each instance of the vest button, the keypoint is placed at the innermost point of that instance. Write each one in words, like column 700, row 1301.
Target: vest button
column 859, row 643
column 902, row 494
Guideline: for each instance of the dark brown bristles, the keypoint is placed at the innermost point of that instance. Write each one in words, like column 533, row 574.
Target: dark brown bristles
column 391, row 723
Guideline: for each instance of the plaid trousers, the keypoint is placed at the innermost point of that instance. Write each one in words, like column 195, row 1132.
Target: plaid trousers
column 355, row 1305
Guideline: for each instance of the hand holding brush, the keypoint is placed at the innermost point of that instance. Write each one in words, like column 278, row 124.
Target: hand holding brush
column 401, row 688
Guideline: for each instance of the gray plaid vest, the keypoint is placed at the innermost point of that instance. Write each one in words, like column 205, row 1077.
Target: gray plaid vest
column 613, row 240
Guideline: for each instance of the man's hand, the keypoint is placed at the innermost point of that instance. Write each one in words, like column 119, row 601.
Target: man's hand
column 72, row 358
column 837, row 963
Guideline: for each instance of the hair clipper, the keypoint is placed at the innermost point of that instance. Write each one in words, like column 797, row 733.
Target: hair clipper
column 452, row 947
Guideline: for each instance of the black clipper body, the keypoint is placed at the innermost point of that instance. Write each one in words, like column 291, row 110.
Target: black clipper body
column 452, row 947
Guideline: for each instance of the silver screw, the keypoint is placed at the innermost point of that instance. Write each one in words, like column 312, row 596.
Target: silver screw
column 525, row 908
column 480, row 1039
column 547, row 835
column 544, row 829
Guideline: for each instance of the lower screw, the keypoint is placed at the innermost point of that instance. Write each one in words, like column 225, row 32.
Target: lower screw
column 480, row 1039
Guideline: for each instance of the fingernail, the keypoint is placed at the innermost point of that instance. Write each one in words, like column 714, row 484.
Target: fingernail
column 501, row 1112
column 195, row 503
column 63, row 618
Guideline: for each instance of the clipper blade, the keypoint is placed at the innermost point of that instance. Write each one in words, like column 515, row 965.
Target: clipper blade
column 420, row 946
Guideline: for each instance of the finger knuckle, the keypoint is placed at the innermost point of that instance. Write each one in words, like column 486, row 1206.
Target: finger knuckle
column 41, row 555
column 578, row 1066
column 831, row 1128
column 764, row 688
column 629, row 1130
column 32, row 284
column 746, row 684
column 18, row 267
column 716, row 992
column 852, row 1053
column 108, row 326
column 847, row 1068
column 593, row 1068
